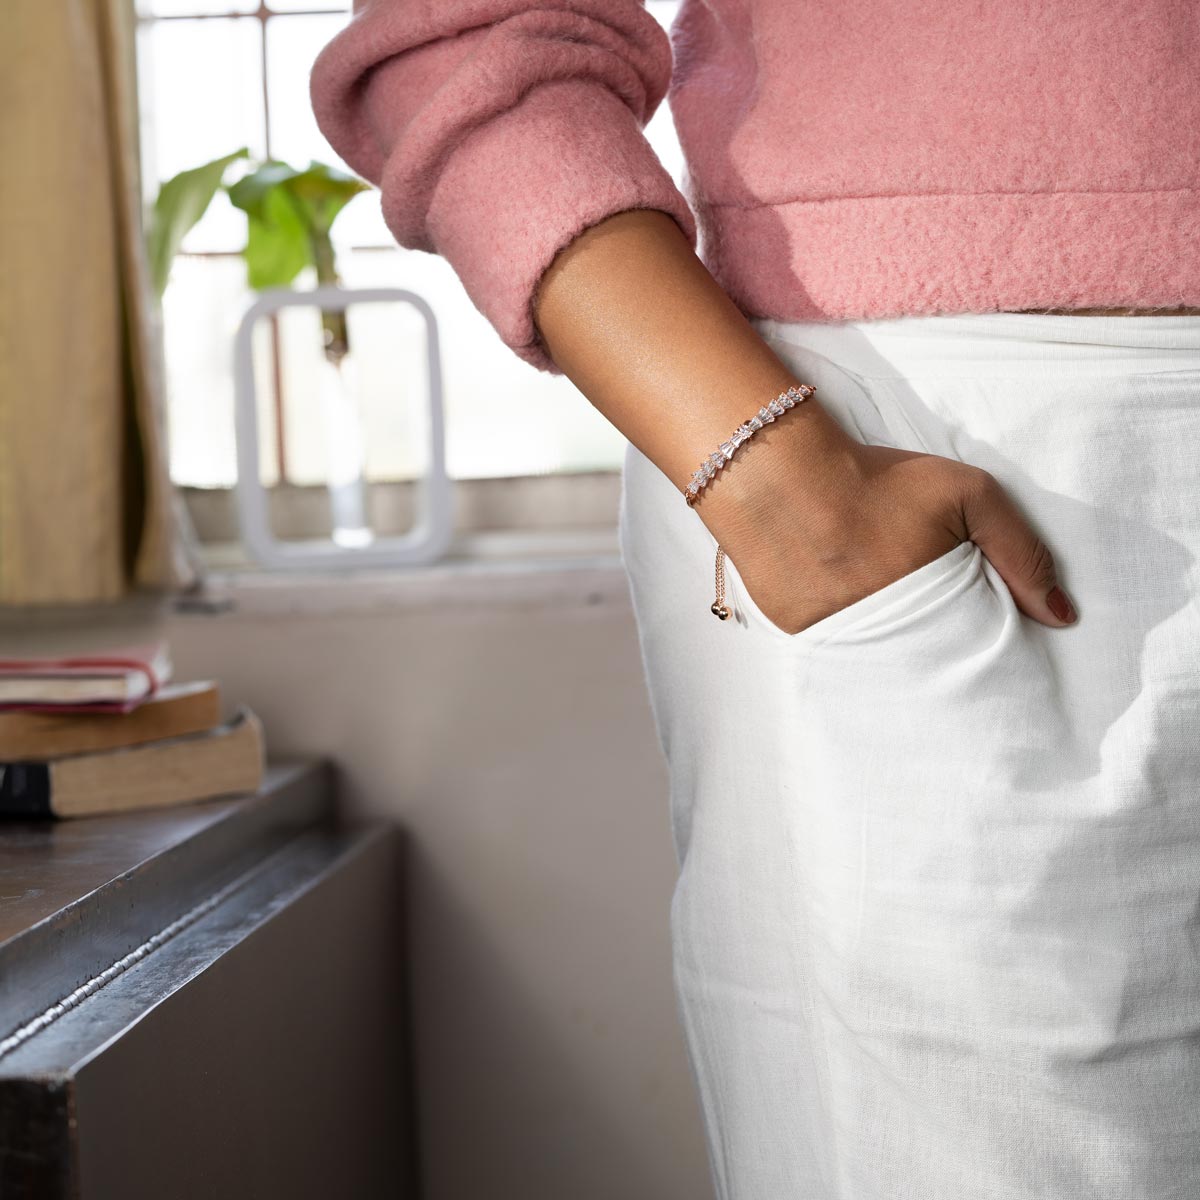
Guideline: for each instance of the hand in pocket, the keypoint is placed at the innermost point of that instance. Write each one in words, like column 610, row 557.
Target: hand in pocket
column 810, row 539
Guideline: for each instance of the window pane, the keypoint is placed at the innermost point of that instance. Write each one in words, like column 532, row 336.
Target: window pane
column 292, row 45
column 384, row 377
column 663, row 11
column 389, row 343
column 361, row 223
column 202, row 99
column 201, row 311
column 660, row 132
column 285, row 6
column 503, row 417
column 194, row 8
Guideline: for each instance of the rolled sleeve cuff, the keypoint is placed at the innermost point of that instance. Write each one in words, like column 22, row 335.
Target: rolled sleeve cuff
column 517, row 189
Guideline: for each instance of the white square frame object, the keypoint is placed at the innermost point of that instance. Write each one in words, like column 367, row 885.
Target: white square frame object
column 431, row 533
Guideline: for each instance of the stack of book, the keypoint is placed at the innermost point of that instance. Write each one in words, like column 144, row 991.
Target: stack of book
column 110, row 732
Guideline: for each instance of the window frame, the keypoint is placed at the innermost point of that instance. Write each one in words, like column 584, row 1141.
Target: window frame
column 584, row 499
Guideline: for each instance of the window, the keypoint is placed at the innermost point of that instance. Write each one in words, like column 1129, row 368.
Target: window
column 218, row 74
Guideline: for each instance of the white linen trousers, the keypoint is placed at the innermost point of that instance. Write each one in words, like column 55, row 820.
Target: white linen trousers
column 936, row 927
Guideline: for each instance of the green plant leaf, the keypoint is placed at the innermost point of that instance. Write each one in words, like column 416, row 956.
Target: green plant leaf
column 323, row 192
column 278, row 246
column 250, row 192
column 180, row 203
column 282, row 203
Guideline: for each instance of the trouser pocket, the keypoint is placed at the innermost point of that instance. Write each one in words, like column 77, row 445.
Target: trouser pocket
column 920, row 591
column 930, row 730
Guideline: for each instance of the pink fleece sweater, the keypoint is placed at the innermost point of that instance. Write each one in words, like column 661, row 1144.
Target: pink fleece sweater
column 846, row 158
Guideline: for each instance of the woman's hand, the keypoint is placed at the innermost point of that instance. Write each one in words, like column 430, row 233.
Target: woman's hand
column 813, row 519
column 812, row 534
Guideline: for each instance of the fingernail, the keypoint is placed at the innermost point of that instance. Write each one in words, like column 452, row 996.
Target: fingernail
column 1059, row 605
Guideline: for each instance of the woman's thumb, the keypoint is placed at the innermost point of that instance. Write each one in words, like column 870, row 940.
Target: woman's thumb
column 1023, row 560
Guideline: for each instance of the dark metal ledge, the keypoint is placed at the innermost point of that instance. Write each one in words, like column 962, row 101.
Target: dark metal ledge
column 206, row 1001
column 79, row 895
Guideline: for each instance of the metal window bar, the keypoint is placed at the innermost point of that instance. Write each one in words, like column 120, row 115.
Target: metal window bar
column 262, row 14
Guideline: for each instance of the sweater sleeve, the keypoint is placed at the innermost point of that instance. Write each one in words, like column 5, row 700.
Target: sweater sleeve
column 499, row 130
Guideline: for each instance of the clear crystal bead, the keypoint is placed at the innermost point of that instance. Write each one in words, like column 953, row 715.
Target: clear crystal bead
column 755, row 423
column 727, row 449
column 717, row 458
column 766, row 415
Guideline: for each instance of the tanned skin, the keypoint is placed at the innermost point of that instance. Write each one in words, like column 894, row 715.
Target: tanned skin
column 813, row 518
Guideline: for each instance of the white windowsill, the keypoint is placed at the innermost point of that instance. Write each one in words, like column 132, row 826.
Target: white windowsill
column 487, row 570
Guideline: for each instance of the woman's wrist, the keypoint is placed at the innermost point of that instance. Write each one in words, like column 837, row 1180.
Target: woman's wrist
column 792, row 470
column 636, row 321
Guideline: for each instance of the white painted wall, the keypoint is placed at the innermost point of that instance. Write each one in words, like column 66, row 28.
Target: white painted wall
column 501, row 717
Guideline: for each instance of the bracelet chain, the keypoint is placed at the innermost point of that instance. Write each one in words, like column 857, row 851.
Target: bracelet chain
column 715, row 461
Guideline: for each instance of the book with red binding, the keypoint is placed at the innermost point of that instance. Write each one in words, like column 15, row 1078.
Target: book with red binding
column 113, row 680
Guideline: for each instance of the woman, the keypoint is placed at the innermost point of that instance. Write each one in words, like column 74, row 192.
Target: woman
column 935, row 925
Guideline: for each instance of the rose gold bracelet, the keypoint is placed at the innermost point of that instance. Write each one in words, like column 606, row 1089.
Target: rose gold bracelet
column 724, row 452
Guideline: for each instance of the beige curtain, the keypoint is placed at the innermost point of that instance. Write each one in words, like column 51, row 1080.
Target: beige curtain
column 87, row 514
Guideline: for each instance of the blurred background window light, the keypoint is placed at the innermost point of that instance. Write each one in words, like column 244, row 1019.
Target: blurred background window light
column 218, row 74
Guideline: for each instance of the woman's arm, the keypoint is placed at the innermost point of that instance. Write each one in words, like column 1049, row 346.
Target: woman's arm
column 507, row 136
column 813, row 518
column 498, row 130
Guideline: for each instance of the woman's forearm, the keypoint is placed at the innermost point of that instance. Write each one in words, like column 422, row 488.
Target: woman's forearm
column 814, row 518
column 635, row 320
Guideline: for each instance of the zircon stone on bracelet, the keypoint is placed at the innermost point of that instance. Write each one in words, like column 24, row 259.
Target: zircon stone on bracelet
column 725, row 451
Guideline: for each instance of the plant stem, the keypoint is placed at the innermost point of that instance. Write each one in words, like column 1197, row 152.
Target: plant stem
column 333, row 322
